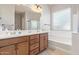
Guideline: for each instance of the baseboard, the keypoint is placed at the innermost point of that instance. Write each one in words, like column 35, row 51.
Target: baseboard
column 56, row 45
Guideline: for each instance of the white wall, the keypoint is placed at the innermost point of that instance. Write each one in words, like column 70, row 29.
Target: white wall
column 7, row 13
column 75, row 37
column 45, row 18
column 64, row 37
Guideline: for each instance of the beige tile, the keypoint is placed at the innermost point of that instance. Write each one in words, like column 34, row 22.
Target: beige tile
column 52, row 52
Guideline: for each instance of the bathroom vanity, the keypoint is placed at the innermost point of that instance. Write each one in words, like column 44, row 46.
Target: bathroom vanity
column 29, row 44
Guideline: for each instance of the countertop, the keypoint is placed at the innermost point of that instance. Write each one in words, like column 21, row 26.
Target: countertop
column 11, row 34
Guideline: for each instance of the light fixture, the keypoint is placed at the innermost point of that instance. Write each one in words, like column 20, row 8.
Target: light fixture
column 36, row 8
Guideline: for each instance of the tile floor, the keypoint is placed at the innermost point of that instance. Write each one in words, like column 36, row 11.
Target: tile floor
column 52, row 52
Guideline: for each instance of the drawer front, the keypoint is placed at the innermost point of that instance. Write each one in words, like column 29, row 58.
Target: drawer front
column 34, row 41
column 34, row 46
column 41, row 35
column 20, row 39
column 44, row 35
column 34, row 51
column 34, row 37
column 13, row 41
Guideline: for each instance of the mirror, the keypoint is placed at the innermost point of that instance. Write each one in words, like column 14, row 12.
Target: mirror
column 62, row 19
column 26, row 19
column 34, row 25
column 19, row 21
column 18, row 17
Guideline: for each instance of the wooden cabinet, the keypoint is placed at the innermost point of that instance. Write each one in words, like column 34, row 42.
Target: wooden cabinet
column 8, row 50
column 43, row 41
column 15, row 46
column 12, row 41
column 23, row 48
column 24, row 45
column 34, row 44
column 34, row 39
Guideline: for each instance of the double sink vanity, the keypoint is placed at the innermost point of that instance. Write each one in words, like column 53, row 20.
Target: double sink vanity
column 23, row 44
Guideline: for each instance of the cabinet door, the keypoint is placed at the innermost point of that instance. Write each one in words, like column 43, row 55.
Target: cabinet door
column 8, row 50
column 46, row 40
column 41, row 43
column 22, row 48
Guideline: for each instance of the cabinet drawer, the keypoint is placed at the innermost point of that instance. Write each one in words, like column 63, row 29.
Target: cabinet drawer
column 36, row 45
column 34, row 51
column 34, row 41
column 34, row 37
column 44, row 35
column 9, row 41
